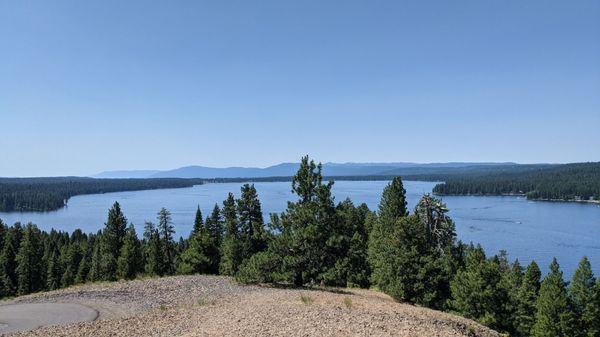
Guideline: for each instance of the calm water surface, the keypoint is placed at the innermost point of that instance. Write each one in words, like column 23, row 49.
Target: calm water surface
column 526, row 229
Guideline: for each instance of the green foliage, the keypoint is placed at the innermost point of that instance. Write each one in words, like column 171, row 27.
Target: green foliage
column 592, row 312
column 579, row 181
column 29, row 261
column 48, row 194
column 393, row 202
column 112, row 241
column 581, row 295
column 262, row 267
column 231, row 249
column 553, row 308
column 130, row 257
column 166, row 231
column 411, row 256
column 477, row 291
column 153, row 251
column 306, row 228
column 54, row 271
column 391, row 208
column 8, row 265
column 527, row 294
column 252, row 234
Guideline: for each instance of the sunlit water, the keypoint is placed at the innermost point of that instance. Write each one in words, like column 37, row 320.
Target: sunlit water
column 526, row 229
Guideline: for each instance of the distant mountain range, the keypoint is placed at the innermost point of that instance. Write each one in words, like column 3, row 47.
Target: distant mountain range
column 289, row 169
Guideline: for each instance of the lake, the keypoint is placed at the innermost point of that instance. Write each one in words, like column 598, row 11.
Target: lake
column 526, row 229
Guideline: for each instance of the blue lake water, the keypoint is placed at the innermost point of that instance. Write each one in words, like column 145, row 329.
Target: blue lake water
column 526, row 229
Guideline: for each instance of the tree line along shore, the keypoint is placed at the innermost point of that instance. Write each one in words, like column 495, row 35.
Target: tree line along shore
column 412, row 256
column 563, row 182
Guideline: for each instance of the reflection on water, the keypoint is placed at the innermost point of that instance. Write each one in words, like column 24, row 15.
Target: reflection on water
column 526, row 229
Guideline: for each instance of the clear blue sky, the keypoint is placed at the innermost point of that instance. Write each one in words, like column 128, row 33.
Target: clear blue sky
column 87, row 86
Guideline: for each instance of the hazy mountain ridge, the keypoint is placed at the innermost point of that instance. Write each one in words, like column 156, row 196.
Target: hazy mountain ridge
column 289, row 169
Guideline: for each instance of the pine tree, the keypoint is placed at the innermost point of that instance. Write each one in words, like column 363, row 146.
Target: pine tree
column 306, row 226
column 153, row 250
column 251, row 224
column 526, row 300
column 114, row 232
column 592, row 312
column 54, row 270
column 193, row 258
column 393, row 202
column 166, row 230
column 440, row 228
column 391, row 208
column 214, row 226
column 86, row 260
column 95, row 270
column 198, row 223
column 230, row 248
column 71, row 263
column 29, row 261
column 581, row 293
column 553, row 317
column 476, row 291
column 511, row 281
column 128, row 264
column 8, row 265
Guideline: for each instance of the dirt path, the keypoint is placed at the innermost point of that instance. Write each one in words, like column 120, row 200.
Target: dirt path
column 217, row 306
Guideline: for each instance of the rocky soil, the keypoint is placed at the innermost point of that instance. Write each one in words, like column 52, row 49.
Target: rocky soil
column 217, row 306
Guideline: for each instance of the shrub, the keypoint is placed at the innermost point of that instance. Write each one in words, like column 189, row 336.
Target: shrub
column 260, row 268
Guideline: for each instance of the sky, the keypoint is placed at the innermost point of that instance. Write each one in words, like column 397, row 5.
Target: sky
column 89, row 86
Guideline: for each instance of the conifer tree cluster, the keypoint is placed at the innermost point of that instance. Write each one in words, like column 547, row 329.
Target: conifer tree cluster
column 412, row 256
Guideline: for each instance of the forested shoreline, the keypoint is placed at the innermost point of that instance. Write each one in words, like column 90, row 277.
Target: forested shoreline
column 568, row 182
column 48, row 194
column 412, row 256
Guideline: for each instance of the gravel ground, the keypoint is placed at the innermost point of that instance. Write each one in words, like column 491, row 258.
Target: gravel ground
column 217, row 306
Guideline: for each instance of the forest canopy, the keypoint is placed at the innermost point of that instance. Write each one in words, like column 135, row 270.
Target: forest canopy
column 579, row 181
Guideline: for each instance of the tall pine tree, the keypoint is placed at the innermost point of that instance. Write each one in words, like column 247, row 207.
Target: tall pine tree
column 130, row 257
column 581, row 294
column 553, row 308
column 526, row 300
column 231, row 247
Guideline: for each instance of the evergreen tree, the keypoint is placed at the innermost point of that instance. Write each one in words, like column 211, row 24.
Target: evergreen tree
column 393, row 202
column 592, row 312
column 440, row 228
column 29, row 261
column 252, row 234
column 476, row 291
column 391, row 208
column 130, row 258
column 193, row 258
column 306, row 226
column 114, row 232
column 72, row 259
column 95, row 270
column 230, row 248
column 553, row 310
column 86, row 260
column 198, row 223
column 54, row 270
column 214, row 227
column 526, row 300
column 581, row 293
column 154, row 256
column 8, row 266
column 166, row 230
